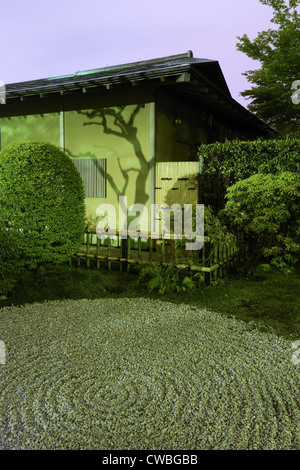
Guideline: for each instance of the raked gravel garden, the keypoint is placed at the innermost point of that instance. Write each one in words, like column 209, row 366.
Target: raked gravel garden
column 137, row 374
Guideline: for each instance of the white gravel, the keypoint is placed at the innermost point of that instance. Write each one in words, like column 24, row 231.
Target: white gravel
column 143, row 374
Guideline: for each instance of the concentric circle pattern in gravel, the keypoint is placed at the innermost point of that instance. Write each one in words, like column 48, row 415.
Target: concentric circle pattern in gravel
column 143, row 374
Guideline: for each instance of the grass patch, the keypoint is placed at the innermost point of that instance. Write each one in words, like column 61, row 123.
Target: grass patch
column 270, row 300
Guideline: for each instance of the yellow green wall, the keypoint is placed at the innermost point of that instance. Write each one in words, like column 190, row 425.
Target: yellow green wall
column 43, row 127
column 121, row 135
column 124, row 143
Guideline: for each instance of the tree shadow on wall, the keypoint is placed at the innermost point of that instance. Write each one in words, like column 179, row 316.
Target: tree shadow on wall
column 124, row 129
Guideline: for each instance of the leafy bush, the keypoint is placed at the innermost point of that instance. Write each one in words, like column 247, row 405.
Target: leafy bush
column 224, row 163
column 170, row 279
column 264, row 213
column 215, row 229
column 10, row 262
column 241, row 159
column 41, row 205
column 7, row 285
column 10, row 259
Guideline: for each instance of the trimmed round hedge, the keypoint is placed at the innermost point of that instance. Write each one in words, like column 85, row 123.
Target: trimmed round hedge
column 42, row 210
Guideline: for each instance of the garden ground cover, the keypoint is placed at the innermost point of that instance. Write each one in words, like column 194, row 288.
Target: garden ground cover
column 271, row 300
column 138, row 373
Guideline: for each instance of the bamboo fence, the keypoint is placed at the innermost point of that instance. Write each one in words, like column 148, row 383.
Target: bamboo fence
column 213, row 260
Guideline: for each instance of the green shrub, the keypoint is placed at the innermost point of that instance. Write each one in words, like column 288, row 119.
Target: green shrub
column 170, row 279
column 225, row 163
column 264, row 213
column 164, row 280
column 241, row 159
column 11, row 263
column 10, row 258
column 41, row 205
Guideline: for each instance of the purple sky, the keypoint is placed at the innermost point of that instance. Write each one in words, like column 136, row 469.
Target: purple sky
column 47, row 39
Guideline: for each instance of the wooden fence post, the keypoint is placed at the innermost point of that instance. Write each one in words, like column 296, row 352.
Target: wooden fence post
column 214, row 262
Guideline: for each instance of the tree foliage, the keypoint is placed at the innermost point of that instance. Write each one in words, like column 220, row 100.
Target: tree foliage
column 41, row 205
column 278, row 52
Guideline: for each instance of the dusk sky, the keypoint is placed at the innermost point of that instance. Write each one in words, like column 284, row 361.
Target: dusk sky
column 47, row 39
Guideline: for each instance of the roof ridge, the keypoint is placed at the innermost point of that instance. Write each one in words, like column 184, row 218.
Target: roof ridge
column 186, row 55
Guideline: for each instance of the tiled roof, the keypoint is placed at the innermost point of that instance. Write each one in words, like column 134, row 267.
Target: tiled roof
column 122, row 74
column 198, row 80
